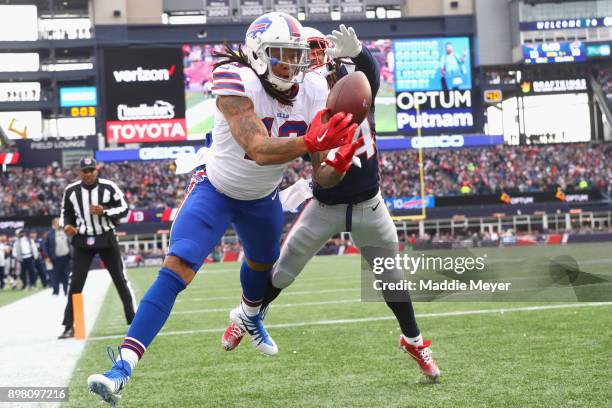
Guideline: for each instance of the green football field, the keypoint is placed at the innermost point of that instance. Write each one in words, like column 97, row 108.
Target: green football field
column 7, row 295
column 338, row 351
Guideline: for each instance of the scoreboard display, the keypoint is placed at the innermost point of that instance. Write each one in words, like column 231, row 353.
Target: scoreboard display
column 554, row 52
column 80, row 112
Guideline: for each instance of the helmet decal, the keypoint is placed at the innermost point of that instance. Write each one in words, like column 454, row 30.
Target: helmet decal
column 259, row 26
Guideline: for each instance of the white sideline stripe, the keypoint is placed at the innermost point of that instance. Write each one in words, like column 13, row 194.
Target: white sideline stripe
column 380, row 318
column 30, row 353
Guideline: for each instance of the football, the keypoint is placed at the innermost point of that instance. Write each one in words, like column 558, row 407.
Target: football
column 351, row 94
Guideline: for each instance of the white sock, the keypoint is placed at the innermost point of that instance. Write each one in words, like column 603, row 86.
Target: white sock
column 414, row 341
column 250, row 310
column 129, row 356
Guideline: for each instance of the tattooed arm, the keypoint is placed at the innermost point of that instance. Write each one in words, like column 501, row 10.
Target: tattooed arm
column 325, row 176
column 250, row 133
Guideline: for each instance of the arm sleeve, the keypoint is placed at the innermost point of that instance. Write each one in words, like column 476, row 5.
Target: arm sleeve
column 118, row 208
column 367, row 64
column 68, row 216
column 227, row 80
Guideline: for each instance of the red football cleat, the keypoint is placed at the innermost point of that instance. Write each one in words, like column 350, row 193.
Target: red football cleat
column 232, row 337
column 422, row 355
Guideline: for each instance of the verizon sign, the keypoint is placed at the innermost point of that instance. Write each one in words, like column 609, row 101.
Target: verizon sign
column 145, row 100
column 143, row 131
column 144, row 75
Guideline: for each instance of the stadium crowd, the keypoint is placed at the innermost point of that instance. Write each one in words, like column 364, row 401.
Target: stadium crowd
column 604, row 77
column 27, row 192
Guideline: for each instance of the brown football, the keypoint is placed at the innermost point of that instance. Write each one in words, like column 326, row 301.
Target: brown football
column 351, row 94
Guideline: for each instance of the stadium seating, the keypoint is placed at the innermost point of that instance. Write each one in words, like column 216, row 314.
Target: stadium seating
column 150, row 185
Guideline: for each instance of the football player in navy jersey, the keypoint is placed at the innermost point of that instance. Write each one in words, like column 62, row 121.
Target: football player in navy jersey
column 353, row 205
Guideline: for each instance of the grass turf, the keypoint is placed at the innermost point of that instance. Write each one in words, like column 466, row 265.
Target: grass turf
column 555, row 357
column 7, row 295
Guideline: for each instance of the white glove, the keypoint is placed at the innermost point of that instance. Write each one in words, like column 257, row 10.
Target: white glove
column 346, row 43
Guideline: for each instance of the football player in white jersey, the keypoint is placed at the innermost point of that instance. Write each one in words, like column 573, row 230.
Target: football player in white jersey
column 354, row 204
column 269, row 112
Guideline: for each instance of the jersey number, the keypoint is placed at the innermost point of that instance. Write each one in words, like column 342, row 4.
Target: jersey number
column 291, row 128
column 369, row 145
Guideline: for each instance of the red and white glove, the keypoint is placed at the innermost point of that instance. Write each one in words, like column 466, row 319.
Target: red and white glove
column 337, row 132
column 343, row 157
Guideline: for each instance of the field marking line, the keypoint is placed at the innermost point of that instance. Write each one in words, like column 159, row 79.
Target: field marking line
column 30, row 352
column 303, row 292
column 381, row 318
column 227, row 309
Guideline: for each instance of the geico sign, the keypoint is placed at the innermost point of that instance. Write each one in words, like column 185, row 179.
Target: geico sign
column 437, row 141
column 138, row 131
column 434, row 100
column 163, row 153
column 144, row 75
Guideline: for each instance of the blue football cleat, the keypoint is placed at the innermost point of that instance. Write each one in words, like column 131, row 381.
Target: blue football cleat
column 253, row 325
column 109, row 385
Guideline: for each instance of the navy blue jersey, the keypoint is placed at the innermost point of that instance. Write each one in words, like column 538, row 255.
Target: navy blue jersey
column 359, row 184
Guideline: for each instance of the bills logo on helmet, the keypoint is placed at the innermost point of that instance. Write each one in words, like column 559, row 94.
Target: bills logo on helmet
column 259, row 26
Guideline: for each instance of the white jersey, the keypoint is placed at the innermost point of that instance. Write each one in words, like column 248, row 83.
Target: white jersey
column 228, row 167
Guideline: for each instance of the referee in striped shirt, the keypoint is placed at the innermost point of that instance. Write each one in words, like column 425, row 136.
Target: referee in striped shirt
column 91, row 209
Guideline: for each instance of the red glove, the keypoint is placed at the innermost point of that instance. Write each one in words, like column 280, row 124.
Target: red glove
column 344, row 156
column 336, row 132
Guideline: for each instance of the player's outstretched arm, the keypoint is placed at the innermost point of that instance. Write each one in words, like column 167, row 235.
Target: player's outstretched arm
column 325, row 176
column 346, row 44
column 337, row 162
column 250, row 132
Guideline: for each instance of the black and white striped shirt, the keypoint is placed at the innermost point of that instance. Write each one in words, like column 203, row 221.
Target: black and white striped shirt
column 78, row 199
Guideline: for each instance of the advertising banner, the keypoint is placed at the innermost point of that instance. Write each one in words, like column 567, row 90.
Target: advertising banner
column 430, row 64
column 18, row 23
column 19, row 62
column 146, row 153
column 45, row 152
column 510, row 199
column 19, row 91
column 145, row 100
column 434, row 74
column 565, row 23
column 409, row 203
column 433, row 85
column 555, row 86
column 439, row 142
